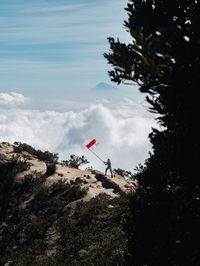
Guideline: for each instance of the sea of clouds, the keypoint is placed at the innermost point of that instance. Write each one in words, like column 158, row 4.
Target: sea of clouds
column 120, row 129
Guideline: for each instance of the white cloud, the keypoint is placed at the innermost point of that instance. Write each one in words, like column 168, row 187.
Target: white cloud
column 12, row 98
column 122, row 134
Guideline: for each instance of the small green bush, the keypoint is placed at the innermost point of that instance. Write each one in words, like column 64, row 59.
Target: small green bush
column 51, row 169
column 75, row 161
column 41, row 155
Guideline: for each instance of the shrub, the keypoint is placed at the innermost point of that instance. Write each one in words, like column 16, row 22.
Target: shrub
column 51, row 169
column 123, row 173
column 41, row 155
column 75, row 161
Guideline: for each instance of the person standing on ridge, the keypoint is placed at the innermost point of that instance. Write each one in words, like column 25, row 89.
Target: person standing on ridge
column 108, row 163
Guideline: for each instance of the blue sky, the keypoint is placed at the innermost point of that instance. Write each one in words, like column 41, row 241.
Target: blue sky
column 56, row 46
column 51, row 56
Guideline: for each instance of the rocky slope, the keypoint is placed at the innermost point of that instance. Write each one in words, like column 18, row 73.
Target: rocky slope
column 51, row 214
column 93, row 181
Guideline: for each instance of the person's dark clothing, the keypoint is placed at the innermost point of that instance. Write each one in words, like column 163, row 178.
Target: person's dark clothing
column 109, row 167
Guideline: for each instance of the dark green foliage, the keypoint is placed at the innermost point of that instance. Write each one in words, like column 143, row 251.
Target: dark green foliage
column 28, row 210
column 160, row 57
column 123, row 173
column 107, row 183
column 51, row 169
column 41, row 155
column 75, row 161
column 43, row 225
column 7, row 172
column 163, row 59
column 94, row 234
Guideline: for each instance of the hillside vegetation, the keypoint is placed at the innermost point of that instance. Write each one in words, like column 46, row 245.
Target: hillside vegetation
column 46, row 220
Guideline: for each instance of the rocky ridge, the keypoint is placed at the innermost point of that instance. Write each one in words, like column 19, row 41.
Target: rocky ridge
column 94, row 182
column 51, row 214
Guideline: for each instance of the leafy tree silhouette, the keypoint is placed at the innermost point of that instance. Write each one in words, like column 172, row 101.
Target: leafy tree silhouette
column 163, row 59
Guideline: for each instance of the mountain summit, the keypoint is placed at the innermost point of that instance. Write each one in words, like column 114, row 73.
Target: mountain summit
column 102, row 86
